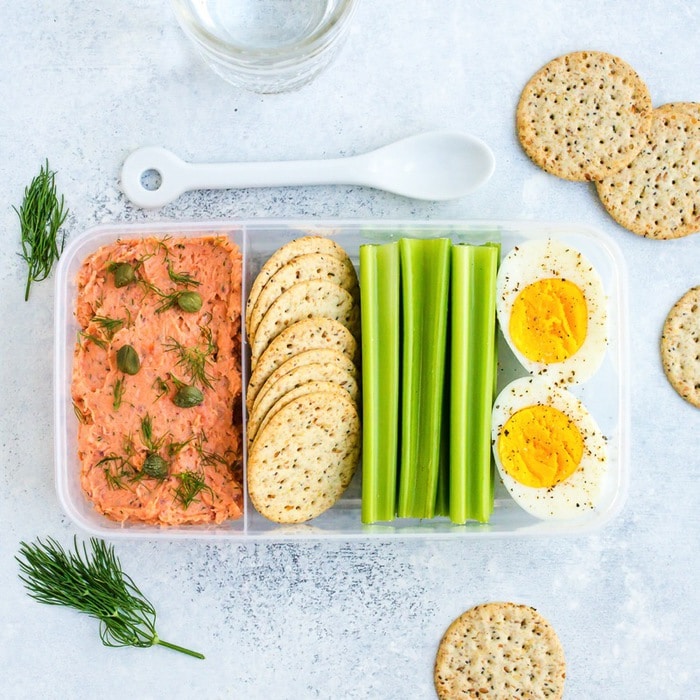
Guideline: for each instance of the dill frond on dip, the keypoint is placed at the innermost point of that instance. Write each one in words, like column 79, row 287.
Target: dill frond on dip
column 157, row 380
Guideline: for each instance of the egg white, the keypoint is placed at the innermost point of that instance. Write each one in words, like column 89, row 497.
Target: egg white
column 581, row 492
column 540, row 259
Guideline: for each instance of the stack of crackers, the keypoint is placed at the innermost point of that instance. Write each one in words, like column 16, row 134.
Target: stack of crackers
column 589, row 116
column 303, row 428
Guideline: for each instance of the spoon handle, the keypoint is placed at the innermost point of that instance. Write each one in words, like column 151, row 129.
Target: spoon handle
column 435, row 165
column 278, row 174
column 175, row 176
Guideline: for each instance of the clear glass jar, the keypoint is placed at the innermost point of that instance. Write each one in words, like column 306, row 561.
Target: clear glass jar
column 266, row 46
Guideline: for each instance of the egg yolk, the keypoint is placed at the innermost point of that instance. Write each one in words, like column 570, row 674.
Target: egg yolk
column 540, row 446
column 549, row 320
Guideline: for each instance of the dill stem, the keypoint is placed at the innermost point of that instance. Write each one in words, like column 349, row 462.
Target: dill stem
column 176, row 647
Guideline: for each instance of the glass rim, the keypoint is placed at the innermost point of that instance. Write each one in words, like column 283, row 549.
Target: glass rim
column 191, row 25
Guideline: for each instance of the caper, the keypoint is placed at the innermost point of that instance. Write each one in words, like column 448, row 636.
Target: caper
column 191, row 302
column 128, row 360
column 123, row 274
column 154, row 465
column 188, row 396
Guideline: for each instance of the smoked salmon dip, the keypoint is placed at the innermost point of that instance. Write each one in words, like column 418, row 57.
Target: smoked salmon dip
column 156, row 380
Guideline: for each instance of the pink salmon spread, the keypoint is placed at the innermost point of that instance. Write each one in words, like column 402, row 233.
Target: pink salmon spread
column 157, row 380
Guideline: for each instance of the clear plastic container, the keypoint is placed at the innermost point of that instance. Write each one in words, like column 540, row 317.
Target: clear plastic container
column 605, row 395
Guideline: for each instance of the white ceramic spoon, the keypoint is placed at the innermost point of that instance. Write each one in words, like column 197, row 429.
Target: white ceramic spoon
column 436, row 165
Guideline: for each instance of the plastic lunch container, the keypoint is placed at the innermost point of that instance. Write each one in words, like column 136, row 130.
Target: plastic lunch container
column 605, row 394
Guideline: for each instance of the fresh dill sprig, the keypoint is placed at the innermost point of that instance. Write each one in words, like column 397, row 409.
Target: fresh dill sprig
column 118, row 393
column 168, row 300
column 152, row 443
column 100, row 342
column 108, row 325
column 183, row 278
column 41, row 215
column 147, row 431
column 191, row 485
column 211, row 458
column 160, row 386
column 207, row 457
column 174, row 448
column 128, row 445
column 161, row 245
column 117, row 468
column 184, row 299
column 80, row 414
column 94, row 583
column 194, row 360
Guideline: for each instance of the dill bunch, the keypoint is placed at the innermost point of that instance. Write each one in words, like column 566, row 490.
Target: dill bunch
column 93, row 583
column 41, row 215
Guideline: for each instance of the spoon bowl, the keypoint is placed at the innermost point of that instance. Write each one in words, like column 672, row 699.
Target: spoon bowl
column 435, row 165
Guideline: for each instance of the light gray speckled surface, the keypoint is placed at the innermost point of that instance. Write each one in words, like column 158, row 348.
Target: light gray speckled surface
column 85, row 83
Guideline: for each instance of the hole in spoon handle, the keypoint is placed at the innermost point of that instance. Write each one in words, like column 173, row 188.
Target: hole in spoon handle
column 153, row 177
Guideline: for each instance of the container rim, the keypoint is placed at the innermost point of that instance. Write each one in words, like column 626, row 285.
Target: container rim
column 331, row 226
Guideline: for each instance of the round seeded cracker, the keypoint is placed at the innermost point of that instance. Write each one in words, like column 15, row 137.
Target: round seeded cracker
column 299, row 246
column 310, row 334
column 302, row 374
column 329, row 356
column 691, row 108
column 305, row 300
column 312, row 266
column 680, row 346
column 584, row 115
column 658, row 194
column 258, row 421
column 305, row 458
column 499, row 651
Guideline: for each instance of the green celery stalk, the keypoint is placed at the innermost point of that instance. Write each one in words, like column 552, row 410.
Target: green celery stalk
column 497, row 246
column 425, row 274
column 442, row 499
column 380, row 306
column 473, row 368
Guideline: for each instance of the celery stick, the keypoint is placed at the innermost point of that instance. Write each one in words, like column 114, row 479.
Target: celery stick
column 425, row 272
column 480, row 464
column 473, row 359
column 442, row 500
column 380, row 306
column 497, row 246
column 460, row 294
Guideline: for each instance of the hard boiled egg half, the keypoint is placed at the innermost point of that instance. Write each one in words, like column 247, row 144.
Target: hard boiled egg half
column 551, row 308
column 549, row 450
